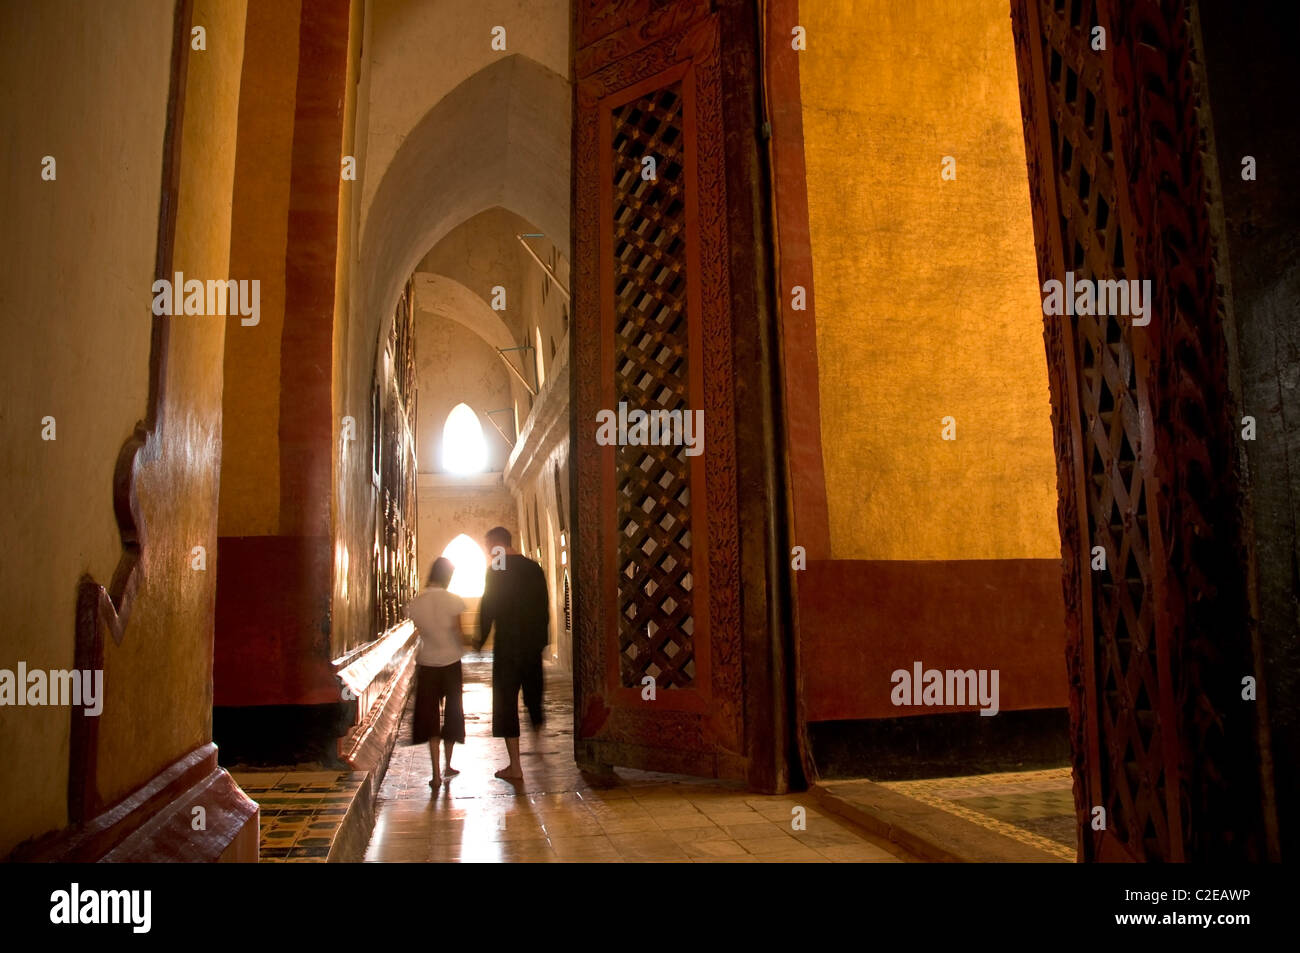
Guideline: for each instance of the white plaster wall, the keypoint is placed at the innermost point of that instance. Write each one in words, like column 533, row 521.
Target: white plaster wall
column 455, row 365
column 448, row 511
column 447, row 298
column 548, row 498
column 533, row 473
column 546, row 310
column 420, row 50
column 483, row 253
column 500, row 138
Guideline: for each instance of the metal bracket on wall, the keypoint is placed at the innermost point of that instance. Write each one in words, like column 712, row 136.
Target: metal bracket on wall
column 541, row 264
column 503, row 410
column 501, row 351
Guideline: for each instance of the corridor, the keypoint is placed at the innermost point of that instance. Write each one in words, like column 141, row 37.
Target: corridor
column 895, row 409
column 557, row 814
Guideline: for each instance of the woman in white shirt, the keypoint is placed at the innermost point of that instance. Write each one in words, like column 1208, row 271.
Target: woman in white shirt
column 436, row 614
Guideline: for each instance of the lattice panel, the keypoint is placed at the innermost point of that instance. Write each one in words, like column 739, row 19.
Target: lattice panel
column 394, row 573
column 1127, row 681
column 652, row 483
column 1206, row 614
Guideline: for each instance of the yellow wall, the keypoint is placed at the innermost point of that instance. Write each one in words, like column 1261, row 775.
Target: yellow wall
column 78, row 259
column 250, row 466
column 76, row 265
column 158, row 683
column 926, row 290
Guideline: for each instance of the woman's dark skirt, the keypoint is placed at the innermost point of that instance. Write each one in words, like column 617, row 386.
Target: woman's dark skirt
column 432, row 685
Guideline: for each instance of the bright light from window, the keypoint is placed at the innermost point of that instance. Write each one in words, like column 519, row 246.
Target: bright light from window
column 471, row 566
column 541, row 366
column 463, row 447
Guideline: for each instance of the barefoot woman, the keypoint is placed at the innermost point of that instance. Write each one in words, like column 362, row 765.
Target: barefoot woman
column 436, row 614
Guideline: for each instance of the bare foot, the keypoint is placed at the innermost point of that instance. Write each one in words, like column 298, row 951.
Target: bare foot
column 510, row 773
column 434, row 782
column 449, row 772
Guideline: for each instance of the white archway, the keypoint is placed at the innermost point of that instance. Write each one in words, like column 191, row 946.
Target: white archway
column 500, row 138
column 470, row 564
column 464, row 450
column 448, row 298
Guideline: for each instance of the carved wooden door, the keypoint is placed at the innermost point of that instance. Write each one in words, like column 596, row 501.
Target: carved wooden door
column 657, row 649
column 1167, row 751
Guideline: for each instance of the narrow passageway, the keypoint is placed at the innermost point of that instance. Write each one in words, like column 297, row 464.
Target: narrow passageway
column 557, row 815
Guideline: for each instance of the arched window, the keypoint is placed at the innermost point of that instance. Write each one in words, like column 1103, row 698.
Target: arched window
column 463, row 448
column 568, row 606
column 471, row 566
column 541, row 365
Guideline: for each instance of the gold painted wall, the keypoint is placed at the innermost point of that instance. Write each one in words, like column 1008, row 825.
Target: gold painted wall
column 250, row 466
column 926, row 290
column 78, row 260
column 158, row 683
column 76, row 265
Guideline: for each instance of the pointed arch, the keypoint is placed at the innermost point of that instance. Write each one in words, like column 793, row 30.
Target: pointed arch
column 464, row 449
column 470, row 564
column 453, row 165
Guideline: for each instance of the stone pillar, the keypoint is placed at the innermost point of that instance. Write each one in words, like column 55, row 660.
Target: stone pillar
column 276, row 694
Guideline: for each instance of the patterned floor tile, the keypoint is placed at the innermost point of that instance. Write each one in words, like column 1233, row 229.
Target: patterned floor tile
column 1033, row 807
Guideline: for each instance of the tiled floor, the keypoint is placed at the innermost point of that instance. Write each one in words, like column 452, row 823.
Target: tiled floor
column 558, row 815
column 301, row 811
column 1034, row 807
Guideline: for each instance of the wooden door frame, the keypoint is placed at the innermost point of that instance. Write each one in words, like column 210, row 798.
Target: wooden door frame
column 1212, row 766
column 744, row 719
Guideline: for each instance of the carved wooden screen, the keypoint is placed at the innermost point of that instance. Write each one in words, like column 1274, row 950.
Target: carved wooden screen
column 655, row 558
column 395, row 575
column 1159, row 640
column 651, row 370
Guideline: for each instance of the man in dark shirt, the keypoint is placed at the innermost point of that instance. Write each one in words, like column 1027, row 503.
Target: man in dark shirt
column 516, row 603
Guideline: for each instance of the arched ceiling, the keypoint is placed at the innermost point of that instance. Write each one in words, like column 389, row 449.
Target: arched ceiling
column 447, row 298
column 406, row 79
column 500, row 138
column 483, row 253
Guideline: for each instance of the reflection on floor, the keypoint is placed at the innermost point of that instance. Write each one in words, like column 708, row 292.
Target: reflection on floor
column 558, row 815
column 1034, row 807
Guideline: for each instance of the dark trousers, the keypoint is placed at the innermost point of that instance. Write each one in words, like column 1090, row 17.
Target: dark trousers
column 509, row 676
column 432, row 685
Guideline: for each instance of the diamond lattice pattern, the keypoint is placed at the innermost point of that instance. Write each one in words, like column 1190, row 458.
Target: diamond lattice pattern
column 655, row 605
column 1124, row 648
